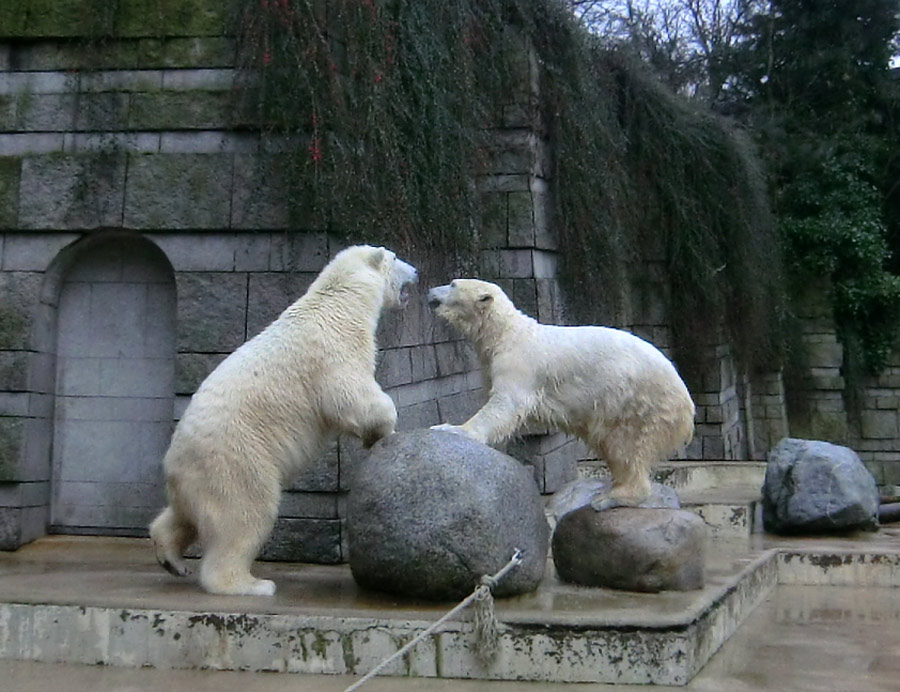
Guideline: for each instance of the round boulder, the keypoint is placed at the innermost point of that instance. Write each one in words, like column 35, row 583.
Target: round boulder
column 631, row 549
column 431, row 512
column 817, row 487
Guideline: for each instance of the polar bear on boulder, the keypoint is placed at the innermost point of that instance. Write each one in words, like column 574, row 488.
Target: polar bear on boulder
column 267, row 411
column 616, row 392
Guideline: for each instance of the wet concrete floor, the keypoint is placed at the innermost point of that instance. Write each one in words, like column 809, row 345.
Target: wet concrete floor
column 802, row 638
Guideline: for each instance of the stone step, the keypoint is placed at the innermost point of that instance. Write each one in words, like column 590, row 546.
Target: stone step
column 694, row 475
column 125, row 611
column 725, row 494
column 104, row 601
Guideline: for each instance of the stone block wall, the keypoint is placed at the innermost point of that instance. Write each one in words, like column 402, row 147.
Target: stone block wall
column 765, row 410
column 877, row 431
column 720, row 432
column 138, row 144
column 137, row 147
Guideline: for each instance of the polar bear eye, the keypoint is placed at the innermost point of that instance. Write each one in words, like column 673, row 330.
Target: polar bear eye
column 453, row 283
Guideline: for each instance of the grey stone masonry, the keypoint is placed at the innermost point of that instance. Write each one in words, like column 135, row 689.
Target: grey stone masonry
column 519, row 248
column 140, row 145
column 765, row 412
column 720, row 431
column 824, row 416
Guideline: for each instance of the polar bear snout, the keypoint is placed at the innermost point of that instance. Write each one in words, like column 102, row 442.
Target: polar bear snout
column 403, row 277
column 437, row 295
column 407, row 273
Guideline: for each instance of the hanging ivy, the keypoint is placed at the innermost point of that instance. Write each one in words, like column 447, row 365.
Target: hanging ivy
column 384, row 108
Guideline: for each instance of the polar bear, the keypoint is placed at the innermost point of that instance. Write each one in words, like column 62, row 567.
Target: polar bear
column 616, row 392
column 267, row 411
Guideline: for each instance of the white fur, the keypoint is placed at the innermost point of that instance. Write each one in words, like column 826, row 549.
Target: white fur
column 268, row 409
column 613, row 390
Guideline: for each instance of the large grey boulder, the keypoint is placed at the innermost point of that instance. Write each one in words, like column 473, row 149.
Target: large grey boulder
column 431, row 512
column 817, row 487
column 631, row 548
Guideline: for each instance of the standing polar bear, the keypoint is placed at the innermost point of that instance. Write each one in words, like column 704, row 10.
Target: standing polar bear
column 616, row 392
column 266, row 412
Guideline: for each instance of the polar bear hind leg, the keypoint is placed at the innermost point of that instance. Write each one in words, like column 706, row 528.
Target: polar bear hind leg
column 172, row 534
column 629, row 455
column 228, row 552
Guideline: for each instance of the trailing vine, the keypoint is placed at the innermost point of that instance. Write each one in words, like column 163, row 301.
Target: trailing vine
column 386, row 107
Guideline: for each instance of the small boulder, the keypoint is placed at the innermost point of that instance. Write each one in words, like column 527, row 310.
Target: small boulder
column 431, row 512
column 579, row 493
column 631, row 549
column 817, row 487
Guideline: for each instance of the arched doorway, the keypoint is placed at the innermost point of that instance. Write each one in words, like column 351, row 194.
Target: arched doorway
column 114, row 387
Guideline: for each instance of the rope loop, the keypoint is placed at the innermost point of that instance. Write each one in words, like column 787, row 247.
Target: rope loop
column 487, row 637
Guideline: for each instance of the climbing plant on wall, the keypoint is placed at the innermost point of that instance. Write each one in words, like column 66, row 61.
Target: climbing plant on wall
column 384, row 107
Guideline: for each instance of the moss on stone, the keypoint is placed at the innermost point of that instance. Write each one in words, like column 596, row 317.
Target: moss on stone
column 101, row 18
column 10, row 168
column 493, row 220
column 7, row 108
column 171, row 18
column 180, row 110
column 11, row 440
column 12, row 326
column 13, row 371
column 55, row 18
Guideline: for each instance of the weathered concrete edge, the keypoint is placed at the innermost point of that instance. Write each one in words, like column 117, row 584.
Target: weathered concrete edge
column 829, row 567
column 728, row 612
column 663, row 654
column 667, row 653
column 329, row 645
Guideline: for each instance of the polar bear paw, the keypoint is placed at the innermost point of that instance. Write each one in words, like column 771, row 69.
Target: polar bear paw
column 604, row 502
column 262, row 587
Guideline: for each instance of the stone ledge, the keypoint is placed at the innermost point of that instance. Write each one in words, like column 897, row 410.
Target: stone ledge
column 139, row 53
column 200, row 142
column 141, row 81
column 587, row 641
column 124, row 611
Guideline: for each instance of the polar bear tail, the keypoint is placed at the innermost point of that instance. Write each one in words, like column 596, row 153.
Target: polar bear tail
column 171, row 535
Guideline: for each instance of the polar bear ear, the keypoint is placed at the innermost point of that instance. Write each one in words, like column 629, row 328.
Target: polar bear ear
column 377, row 257
column 484, row 300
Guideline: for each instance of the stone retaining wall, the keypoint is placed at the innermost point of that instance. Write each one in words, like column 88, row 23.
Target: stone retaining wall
column 135, row 150
column 117, row 153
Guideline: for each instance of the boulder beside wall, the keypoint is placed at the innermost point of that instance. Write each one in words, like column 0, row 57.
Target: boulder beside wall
column 817, row 487
column 431, row 512
column 630, row 548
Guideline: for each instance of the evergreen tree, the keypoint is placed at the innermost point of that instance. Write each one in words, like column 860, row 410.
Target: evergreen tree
column 815, row 75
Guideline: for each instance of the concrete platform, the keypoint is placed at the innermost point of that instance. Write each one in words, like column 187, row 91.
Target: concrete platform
column 105, row 601
column 801, row 638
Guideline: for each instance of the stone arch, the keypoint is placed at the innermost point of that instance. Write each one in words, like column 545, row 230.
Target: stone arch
column 114, row 383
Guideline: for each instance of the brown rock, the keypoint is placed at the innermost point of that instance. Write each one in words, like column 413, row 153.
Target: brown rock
column 629, row 548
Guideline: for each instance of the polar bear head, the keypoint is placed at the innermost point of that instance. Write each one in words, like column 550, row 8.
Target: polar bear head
column 386, row 271
column 469, row 304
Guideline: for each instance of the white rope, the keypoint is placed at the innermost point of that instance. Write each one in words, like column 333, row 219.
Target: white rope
column 487, row 627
